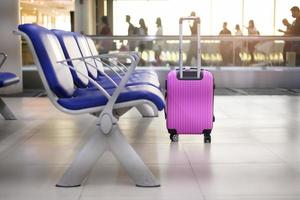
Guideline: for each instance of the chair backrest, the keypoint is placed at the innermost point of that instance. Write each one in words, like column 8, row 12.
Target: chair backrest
column 94, row 52
column 48, row 51
column 71, row 50
column 93, row 72
column 87, row 50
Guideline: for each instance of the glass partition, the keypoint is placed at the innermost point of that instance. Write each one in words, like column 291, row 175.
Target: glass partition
column 237, row 50
column 267, row 14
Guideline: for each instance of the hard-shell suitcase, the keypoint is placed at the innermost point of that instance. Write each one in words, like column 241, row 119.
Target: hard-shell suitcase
column 189, row 96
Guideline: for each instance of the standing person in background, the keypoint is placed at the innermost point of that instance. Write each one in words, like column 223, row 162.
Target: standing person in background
column 158, row 43
column 252, row 31
column 193, row 44
column 295, row 31
column 238, row 31
column 143, row 31
column 131, row 32
column 287, row 32
column 226, row 46
column 106, row 45
column 238, row 45
column 288, row 26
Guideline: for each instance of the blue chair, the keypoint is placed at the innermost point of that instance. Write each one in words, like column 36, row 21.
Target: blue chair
column 92, row 66
column 6, row 79
column 95, row 65
column 105, row 104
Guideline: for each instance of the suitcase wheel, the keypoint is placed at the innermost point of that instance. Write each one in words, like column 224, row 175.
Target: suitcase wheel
column 174, row 137
column 207, row 138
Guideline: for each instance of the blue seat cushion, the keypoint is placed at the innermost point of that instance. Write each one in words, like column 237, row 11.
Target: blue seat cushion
column 85, row 98
column 145, row 71
column 7, row 79
column 133, row 80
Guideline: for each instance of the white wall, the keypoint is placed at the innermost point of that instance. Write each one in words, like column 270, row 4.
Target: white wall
column 85, row 18
column 9, row 43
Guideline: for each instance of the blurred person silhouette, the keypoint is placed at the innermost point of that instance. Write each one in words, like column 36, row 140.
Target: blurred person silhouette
column 132, row 30
column 142, row 31
column 288, row 26
column 105, row 45
column 226, row 46
column 159, row 30
column 287, row 32
column 238, row 45
column 193, row 44
column 252, row 31
column 158, row 43
column 238, row 31
column 295, row 31
column 123, row 48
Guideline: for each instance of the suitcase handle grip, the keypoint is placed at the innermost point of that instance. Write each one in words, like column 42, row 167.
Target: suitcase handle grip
column 197, row 20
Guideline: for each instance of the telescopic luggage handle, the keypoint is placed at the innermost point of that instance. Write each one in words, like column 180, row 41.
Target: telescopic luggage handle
column 197, row 19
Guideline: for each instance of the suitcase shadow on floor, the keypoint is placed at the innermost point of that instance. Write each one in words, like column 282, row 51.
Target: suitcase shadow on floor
column 141, row 131
column 199, row 158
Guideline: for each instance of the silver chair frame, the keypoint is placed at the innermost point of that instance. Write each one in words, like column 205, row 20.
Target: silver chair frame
column 144, row 110
column 109, row 136
column 4, row 109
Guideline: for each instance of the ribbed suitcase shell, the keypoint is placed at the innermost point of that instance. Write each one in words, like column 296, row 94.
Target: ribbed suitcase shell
column 190, row 104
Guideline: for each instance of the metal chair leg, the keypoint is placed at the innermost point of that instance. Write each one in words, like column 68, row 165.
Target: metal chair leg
column 147, row 111
column 130, row 160
column 95, row 147
column 84, row 162
column 5, row 111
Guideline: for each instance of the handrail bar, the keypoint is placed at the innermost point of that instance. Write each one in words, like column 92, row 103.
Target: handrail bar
column 204, row 37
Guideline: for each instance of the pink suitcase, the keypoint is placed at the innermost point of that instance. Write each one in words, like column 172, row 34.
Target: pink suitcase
column 190, row 97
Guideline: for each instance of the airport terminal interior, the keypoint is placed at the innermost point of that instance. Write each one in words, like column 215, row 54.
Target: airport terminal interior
column 150, row 99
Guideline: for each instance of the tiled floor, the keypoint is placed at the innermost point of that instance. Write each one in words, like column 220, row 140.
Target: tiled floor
column 254, row 155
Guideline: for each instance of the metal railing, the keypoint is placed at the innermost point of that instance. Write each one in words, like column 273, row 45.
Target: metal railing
column 216, row 50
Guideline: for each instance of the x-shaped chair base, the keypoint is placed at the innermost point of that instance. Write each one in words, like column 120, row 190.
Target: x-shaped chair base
column 95, row 147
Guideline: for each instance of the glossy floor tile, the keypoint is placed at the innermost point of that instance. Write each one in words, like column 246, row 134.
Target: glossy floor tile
column 33, row 182
column 248, row 179
column 229, row 153
column 178, row 181
column 254, row 154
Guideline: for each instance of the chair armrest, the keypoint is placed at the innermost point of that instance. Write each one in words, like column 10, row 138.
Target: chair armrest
column 108, row 109
column 122, row 71
column 136, row 56
column 3, row 59
column 124, row 68
column 121, row 67
column 98, row 87
column 107, row 65
column 106, row 75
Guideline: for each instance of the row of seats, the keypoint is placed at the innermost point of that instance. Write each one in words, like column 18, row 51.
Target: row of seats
column 76, row 82
column 93, row 67
column 76, row 91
